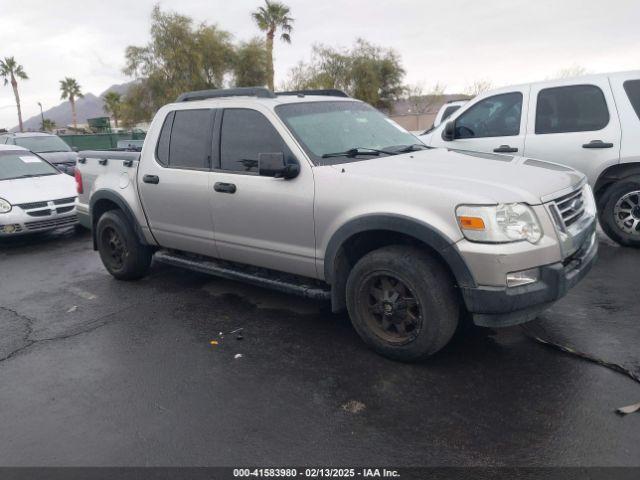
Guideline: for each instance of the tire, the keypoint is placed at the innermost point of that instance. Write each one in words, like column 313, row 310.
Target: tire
column 120, row 250
column 424, row 315
column 619, row 212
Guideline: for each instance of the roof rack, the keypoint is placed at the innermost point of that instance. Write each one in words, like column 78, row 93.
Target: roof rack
column 259, row 92
column 329, row 92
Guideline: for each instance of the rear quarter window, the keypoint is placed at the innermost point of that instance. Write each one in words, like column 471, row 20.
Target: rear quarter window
column 632, row 87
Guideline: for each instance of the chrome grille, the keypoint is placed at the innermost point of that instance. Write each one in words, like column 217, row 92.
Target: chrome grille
column 570, row 207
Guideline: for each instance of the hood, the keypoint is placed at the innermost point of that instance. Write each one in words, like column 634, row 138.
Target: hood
column 38, row 189
column 482, row 177
column 59, row 157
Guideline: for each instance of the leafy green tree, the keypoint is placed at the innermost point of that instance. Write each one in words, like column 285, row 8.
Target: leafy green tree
column 178, row 58
column 70, row 89
column 250, row 67
column 367, row 72
column 10, row 71
column 47, row 125
column 271, row 17
column 112, row 105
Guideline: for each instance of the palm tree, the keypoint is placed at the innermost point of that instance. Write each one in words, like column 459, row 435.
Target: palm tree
column 11, row 71
column 71, row 90
column 112, row 103
column 270, row 17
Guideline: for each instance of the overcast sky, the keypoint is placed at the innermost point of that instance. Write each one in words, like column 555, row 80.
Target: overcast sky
column 451, row 41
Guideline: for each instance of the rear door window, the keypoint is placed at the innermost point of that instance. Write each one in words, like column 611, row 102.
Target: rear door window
column 497, row 116
column 632, row 87
column 576, row 108
column 190, row 142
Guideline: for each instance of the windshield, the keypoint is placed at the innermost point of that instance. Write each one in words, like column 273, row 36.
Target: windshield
column 43, row 144
column 22, row 164
column 324, row 128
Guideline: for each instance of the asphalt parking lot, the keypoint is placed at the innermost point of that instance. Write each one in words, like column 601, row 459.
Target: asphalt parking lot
column 105, row 373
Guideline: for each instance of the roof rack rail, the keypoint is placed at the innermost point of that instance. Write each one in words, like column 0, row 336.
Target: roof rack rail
column 329, row 92
column 259, row 92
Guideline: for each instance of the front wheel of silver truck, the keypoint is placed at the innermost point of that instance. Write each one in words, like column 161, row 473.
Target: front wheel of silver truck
column 120, row 250
column 402, row 302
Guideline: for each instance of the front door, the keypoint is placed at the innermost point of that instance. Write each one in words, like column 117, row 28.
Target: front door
column 261, row 221
column 174, row 182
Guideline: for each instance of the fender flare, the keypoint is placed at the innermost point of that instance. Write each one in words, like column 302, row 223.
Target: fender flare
column 430, row 236
column 614, row 173
column 122, row 205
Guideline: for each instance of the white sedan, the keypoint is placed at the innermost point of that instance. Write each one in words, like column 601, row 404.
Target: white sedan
column 34, row 195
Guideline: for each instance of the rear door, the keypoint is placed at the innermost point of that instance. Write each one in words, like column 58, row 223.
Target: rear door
column 262, row 221
column 174, row 182
column 491, row 124
column 626, row 90
column 575, row 124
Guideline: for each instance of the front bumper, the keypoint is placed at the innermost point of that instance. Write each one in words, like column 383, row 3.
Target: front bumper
column 501, row 306
column 19, row 222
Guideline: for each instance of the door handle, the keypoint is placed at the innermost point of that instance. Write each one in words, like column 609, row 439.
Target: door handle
column 505, row 149
column 224, row 187
column 151, row 179
column 597, row 144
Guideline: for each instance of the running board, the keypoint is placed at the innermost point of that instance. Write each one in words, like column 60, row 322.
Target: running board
column 281, row 282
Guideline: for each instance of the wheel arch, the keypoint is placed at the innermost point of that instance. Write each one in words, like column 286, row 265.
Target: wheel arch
column 364, row 234
column 103, row 201
column 613, row 174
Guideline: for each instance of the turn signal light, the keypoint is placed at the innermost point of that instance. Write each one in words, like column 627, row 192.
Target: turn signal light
column 471, row 223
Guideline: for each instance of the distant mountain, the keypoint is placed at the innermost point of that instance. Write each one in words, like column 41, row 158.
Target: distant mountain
column 90, row 106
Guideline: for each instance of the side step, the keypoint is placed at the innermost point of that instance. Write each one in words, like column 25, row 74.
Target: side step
column 261, row 277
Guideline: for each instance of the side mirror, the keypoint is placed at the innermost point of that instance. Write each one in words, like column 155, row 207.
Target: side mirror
column 274, row 165
column 75, row 149
column 449, row 131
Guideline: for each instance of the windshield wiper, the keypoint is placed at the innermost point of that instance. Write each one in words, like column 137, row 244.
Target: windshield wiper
column 414, row 147
column 353, row 152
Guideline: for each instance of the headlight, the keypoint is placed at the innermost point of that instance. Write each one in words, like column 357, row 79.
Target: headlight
column 5, row 207
column 503, row 223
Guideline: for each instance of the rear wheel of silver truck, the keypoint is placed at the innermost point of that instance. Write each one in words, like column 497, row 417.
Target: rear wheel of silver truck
column 120, row 250
column 403, row 302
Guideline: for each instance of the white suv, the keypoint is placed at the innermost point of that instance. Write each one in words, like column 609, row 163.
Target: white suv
column 590, row 123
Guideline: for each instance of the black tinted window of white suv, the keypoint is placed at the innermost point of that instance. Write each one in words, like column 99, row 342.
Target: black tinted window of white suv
column 497, row 116
column 576, row 108
column 449, row 111
column 190, row 144
column 245, row 135
column 632, row 87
